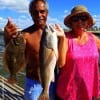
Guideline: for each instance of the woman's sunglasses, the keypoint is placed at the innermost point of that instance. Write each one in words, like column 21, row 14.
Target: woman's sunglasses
column 77, row 18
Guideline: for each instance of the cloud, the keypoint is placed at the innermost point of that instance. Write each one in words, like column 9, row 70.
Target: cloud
column 1, row 18
column 97, row 19
column 2, row 22
column 23, row 21
column 52, row 20
column 66, row 11
column 20, row 22
column 17, row 5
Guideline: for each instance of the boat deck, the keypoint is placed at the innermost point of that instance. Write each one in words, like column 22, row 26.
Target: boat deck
column 10, row 92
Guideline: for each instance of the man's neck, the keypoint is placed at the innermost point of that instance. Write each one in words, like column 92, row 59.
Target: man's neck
column 37, row 27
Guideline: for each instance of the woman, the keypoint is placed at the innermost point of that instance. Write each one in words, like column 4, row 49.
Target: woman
column 78, row 78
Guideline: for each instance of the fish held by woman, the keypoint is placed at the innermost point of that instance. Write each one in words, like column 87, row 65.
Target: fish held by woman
column 48, row 57
column 14, row 57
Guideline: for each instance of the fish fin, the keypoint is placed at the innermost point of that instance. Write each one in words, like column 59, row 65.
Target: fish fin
column 43, row 96
column 53, row 78
column 4, row 61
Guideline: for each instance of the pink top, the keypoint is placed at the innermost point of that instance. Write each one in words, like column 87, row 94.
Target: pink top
column 78, row 79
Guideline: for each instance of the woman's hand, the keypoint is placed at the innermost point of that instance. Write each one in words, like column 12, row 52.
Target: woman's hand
column 62, row 44
column 59, row 31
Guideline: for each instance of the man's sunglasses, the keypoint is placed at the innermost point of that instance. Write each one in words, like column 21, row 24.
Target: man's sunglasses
column 77, row 18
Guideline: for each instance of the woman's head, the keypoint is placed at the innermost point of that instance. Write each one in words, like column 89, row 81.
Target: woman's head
column 79, row 12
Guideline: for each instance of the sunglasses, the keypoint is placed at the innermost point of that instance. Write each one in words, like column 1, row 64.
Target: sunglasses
column 77, row 18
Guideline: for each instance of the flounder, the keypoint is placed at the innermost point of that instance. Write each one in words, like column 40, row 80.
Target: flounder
column 14, row 57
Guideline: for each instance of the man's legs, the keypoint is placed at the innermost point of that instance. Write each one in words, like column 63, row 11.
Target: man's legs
column 33, row 90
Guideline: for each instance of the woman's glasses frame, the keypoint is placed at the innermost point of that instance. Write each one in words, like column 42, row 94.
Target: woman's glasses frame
column 79, row 17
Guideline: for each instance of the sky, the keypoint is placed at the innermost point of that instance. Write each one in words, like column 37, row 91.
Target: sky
column 58, row 10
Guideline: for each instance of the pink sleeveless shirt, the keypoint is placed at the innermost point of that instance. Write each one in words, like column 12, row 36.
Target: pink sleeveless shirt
column 78, row 79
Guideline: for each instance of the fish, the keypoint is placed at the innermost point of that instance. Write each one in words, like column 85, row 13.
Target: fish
column 14, row 57
column 48, row 55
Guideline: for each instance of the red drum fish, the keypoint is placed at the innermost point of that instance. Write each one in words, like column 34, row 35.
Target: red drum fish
column 14, row 57
column 48, row 57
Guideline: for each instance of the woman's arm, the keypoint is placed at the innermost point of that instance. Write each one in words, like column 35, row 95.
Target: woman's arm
column 97, row 40
column 62, row 50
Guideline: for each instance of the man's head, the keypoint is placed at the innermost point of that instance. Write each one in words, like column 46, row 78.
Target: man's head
column 39, row 12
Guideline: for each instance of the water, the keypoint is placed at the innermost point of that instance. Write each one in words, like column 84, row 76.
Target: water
column 3, row 70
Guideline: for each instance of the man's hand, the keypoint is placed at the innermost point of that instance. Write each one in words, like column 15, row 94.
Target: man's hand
column 9, row 31
column 10, row 28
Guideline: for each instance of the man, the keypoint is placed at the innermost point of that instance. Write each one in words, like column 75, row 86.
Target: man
column 39, row 11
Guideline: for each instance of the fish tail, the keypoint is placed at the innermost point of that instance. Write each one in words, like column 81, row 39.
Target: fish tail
column 12, row 79
column 44, row 96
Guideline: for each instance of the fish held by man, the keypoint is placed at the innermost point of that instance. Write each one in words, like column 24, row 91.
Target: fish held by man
column 14, row 57
column 48, row 58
